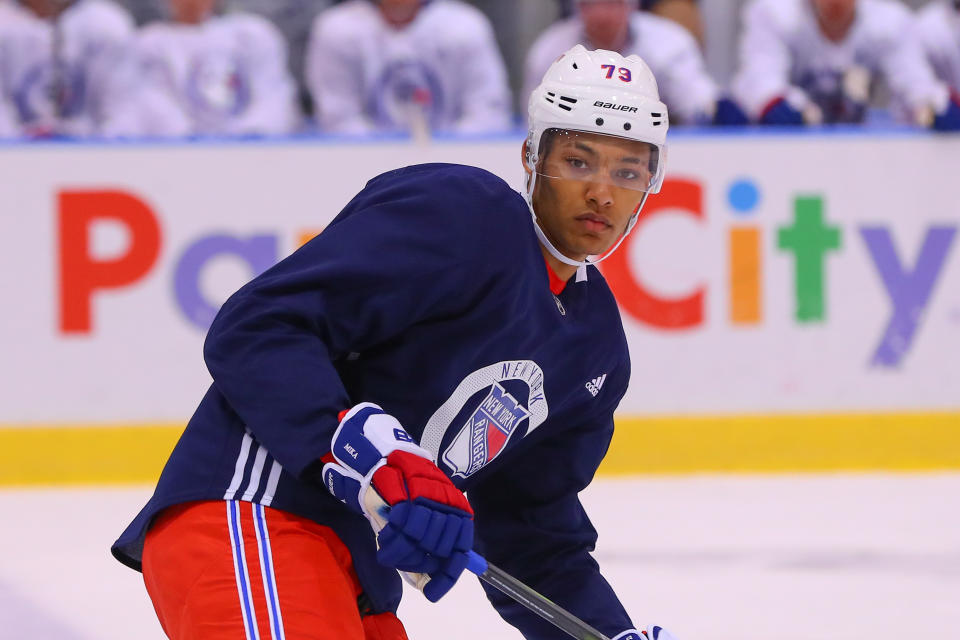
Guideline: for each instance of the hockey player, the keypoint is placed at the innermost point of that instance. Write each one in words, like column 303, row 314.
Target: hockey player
column 10, row 16
column 670, row 50
column 938, row 27
column 406, row 65
column 207, row 74
column 464, row 347
column 58, row 62
column 293, row 18
column 812, row 61
column 683, row 12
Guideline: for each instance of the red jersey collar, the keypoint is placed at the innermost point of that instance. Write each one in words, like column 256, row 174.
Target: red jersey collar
column 556, row 284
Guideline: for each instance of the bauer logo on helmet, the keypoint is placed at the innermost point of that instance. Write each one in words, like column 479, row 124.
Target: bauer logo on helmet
column 615, row 106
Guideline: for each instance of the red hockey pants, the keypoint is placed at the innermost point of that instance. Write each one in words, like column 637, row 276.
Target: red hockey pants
column 229, row 570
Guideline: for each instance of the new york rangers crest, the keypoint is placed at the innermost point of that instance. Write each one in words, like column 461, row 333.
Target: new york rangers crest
column 493, row 422
column 485, row 432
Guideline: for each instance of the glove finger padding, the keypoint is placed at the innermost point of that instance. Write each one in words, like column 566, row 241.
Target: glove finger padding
column 407, row 476
column 394, row 549
column 427, row 513
column 437, row 583
column 442, row 580
column 426, row 530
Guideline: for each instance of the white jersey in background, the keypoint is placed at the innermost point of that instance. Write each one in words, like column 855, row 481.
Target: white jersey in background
column 57, row 75
column 226, row 76
column 443, row 71
column 293, row 18
column 784, row 54
column 669, row 49
column 9, row 17
column 938, row 28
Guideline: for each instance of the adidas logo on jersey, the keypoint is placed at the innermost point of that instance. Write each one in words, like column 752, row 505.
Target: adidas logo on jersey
column 594, row 385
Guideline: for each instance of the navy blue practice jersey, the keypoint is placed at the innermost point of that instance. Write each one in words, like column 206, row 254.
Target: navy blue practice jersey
column 428, row 295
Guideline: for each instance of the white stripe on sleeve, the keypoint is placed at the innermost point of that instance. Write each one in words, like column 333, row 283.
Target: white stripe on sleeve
column 255, row 474
column 230, row 494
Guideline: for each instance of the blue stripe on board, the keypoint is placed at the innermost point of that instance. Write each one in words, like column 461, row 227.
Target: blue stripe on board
column 312, row 138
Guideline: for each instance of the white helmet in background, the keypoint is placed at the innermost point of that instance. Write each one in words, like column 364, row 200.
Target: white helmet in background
column 597, row 92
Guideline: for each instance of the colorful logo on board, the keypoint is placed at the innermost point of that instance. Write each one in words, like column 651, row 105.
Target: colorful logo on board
column 810, row 240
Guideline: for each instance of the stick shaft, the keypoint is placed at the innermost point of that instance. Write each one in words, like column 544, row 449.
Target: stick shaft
column 540, row 605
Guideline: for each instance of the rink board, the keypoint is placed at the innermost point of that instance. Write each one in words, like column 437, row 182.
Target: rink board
column 790, row 301
column 115, row 455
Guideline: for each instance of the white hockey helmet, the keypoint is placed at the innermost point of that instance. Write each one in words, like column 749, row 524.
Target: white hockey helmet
column 598, row 92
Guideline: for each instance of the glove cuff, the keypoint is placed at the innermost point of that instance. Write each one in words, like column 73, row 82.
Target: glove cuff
column 364, row 439
column 367, row 434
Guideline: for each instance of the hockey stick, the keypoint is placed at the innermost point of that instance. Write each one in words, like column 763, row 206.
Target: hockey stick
column 505, row 583
column 540, row 605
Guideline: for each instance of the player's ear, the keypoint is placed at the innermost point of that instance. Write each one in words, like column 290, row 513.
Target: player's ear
column 525, row 155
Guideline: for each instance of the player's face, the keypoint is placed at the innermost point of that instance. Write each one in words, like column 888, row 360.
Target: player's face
column 605, row 22
column 587, row 190
column 835, row 12
column 47, row 8
column 400, row 13
column 191, row 11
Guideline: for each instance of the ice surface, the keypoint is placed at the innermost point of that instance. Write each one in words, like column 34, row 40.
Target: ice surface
column 717, row 557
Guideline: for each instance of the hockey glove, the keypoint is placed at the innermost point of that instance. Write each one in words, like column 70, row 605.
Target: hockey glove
column 652, row 632
column 423, row 523
column 729, row 114
column 779, row 112
column 949, row 118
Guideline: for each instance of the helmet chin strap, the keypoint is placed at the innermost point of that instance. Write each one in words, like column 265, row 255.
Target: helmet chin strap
column 581, row 265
